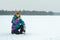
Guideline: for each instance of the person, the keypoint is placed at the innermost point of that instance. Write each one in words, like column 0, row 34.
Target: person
column 18, row 24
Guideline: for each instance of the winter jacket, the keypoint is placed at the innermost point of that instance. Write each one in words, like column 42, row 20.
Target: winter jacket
column 16, row 22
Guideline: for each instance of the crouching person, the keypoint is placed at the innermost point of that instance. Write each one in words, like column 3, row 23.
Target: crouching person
column 18, row 25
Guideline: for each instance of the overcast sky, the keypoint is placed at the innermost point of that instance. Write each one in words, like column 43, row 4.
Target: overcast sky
column 39, row 5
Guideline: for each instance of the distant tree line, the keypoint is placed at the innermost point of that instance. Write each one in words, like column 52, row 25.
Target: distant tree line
column 4, row 12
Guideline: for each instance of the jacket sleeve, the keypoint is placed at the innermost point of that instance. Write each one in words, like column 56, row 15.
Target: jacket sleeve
column 22, row 22
column 14, row 21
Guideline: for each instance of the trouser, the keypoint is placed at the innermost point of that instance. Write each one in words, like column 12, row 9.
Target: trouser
column 17, row 31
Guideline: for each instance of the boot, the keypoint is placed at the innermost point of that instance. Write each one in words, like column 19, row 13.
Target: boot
column 12, row 32
column 17, row 32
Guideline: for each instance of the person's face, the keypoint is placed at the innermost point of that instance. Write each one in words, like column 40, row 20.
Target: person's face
column 17, row 15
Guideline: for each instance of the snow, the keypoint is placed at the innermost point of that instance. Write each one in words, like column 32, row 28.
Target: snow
column 37, row 28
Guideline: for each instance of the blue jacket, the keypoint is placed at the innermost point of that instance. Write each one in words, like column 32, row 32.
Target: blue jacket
column 16, row 23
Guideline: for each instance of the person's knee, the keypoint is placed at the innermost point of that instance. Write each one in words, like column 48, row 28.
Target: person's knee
column 21, row 26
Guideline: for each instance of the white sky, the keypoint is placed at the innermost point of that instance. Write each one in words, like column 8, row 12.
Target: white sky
column 39, row 5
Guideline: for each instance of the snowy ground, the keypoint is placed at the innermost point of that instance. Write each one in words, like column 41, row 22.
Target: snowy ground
column 37, row 28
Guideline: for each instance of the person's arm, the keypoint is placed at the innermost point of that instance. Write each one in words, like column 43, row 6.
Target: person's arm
column 14, row 20
column 22, row 22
